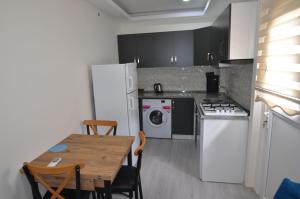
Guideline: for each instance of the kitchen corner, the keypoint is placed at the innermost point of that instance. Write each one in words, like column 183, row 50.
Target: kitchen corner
column 222, row 138
column 220, row 124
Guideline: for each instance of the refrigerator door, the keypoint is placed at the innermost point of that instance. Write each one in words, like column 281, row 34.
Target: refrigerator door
column 110, row 95
column 131, row 77
column 133, row 120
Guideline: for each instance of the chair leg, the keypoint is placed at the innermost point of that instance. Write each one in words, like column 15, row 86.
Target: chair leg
column 130, row 194
column 98, row 195
column 136, row 194
column 94, row 195
column 140, row 188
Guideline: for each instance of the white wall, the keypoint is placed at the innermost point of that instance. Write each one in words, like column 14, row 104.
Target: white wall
column 158, row 26
column 45, row 50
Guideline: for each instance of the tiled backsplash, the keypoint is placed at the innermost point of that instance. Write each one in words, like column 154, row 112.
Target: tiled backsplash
column 175, row 78
column 237, row 80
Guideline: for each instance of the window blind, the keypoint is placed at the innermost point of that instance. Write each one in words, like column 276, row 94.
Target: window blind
column 278, row 58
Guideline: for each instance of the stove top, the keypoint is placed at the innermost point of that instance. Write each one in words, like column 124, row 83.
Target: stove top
column 222, row 107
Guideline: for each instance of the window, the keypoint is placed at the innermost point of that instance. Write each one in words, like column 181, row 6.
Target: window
column 278, row 63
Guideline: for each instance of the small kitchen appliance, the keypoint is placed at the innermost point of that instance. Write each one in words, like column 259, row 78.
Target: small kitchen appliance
column 158, row 88
column 212, row 83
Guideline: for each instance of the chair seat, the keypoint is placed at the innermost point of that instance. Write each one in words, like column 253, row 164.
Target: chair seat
column 125, row 179
column 69, row 194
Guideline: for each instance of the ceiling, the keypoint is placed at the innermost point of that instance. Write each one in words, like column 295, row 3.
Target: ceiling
column 142, row 7
column 141, row 10
column 153, row 9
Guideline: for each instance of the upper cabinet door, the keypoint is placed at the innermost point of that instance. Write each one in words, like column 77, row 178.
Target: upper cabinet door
column 234, row 32
column 242, row 30
column 146, row 50
column 221, row 28
column 183, row 48
column 202, row 46
column 164, row 56
column 128, row 45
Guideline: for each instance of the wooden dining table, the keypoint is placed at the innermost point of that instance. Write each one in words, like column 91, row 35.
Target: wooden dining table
column 102, row 156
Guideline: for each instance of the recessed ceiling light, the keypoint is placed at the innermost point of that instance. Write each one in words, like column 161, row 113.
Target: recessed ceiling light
column 186, row 0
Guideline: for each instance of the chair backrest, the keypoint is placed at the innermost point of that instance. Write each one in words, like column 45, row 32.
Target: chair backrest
column 92, row 124
column 35, row 174
column 139, row 151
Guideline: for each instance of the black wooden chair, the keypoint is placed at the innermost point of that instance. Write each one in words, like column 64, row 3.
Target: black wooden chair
column 128, row 179
column 35, row 176
column 93, row 124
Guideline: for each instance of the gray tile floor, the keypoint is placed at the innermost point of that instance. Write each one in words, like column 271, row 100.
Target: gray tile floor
column 170, row 171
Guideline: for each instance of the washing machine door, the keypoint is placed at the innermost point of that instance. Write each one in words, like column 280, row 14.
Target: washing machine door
column 157, row 117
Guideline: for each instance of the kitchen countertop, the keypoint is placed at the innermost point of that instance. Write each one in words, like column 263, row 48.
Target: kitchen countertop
column 198, row 96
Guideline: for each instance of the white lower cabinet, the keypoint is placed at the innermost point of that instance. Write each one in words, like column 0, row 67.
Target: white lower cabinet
column 223, row 150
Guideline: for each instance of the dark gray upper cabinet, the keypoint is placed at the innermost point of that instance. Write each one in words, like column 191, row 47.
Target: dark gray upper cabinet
column 202, row 45
column 137, row 48
column 128, row 46
column 164, row 49
column 164, row 52
column 183, row 48
column 221, row 31
column 145, row 50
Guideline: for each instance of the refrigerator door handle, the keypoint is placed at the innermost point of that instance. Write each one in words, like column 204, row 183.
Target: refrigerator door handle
column 130, row 83
column 131, row 103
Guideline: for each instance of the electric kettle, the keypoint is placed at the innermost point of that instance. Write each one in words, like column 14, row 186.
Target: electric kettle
column 158, row 88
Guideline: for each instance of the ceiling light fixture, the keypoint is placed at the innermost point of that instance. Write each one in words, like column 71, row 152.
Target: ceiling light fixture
column 186, row 0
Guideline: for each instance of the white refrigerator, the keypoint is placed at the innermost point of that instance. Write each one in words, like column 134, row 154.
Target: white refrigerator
column 116, row 98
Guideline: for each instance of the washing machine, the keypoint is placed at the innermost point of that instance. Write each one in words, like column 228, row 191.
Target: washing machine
column 157, row 118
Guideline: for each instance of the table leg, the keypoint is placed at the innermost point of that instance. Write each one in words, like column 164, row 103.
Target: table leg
column 107, row 187
column 129, row 158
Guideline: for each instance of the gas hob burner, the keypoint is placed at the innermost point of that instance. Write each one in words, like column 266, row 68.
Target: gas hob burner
column 222, row 108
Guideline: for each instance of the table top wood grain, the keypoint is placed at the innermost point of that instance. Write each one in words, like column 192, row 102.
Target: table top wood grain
column 102, row 155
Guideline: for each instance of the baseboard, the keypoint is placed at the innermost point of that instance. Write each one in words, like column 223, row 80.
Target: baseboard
column 183, row 137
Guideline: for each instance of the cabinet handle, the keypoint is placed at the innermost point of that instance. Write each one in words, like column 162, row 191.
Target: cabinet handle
column 175, row 59
column 172, row 59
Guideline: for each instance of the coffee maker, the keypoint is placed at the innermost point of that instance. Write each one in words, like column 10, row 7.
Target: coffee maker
column 212, row 82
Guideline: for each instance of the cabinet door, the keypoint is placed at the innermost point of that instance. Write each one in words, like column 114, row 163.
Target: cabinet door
column 127, row 46
column 202, row 46
column 146, row 50
column 183, row 48
column 163, row 49
column 221, row 35
column 183, row 116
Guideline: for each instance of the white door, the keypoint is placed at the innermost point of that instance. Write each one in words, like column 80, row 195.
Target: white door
column 133, row 119
column 131, row 77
